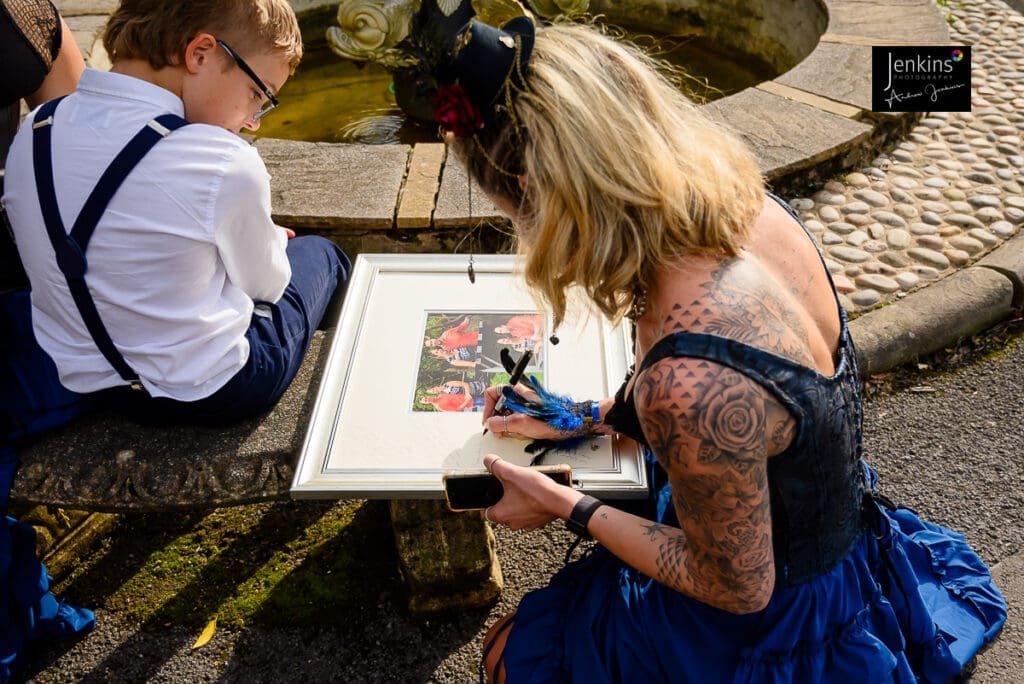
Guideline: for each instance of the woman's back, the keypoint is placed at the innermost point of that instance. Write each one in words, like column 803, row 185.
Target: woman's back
column 776, row 296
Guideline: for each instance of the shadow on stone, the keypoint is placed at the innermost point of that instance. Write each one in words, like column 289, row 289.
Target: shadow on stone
column 351, row 570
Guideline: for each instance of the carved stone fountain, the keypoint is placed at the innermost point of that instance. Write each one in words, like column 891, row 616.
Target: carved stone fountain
column 378, row 30
column 397, row 33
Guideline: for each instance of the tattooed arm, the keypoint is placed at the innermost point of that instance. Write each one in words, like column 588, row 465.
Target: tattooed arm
column 710, row 428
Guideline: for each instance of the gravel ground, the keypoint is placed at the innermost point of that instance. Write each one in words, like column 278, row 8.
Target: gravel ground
column 948, row 446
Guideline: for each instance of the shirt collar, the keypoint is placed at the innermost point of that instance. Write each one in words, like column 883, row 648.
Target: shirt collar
column 110, row 84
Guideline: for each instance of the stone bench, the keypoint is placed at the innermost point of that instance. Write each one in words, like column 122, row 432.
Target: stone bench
column 106, row 463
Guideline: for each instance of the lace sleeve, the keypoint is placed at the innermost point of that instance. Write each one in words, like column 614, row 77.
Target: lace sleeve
column 30, row 38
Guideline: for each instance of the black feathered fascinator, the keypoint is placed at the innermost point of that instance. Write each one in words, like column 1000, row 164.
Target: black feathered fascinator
column 465, row 77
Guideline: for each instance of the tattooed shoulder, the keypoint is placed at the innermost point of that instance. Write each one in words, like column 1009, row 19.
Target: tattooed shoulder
column 736, row 304
column 701, row 411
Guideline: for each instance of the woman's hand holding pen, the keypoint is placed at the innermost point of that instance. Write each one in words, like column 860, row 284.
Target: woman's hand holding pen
column 505, row 423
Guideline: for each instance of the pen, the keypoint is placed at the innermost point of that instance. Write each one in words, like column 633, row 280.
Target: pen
column 513, row 380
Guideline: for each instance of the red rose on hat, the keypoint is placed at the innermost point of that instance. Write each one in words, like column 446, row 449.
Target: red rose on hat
column 455, row 113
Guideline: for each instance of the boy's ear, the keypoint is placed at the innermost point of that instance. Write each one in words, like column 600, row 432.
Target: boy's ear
column 199, row 50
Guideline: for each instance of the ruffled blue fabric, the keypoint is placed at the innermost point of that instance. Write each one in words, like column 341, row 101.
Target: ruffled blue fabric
column 911, row 603
column 27, row 608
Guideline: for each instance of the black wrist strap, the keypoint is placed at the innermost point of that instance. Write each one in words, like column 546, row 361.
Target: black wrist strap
column 581, row 514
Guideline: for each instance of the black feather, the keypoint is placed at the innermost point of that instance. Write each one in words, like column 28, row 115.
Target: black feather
column 428, row 42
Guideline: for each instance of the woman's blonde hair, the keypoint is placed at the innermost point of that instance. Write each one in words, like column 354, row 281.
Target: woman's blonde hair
column 158, row 31
column 623, row 174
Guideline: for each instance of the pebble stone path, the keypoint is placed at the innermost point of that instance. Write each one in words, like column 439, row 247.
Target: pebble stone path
column 948, row 193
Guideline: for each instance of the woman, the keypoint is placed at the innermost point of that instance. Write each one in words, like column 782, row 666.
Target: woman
column 454, row 338
column 39, row 57
column 762, row 554
column 39, row 61
column 523, row 327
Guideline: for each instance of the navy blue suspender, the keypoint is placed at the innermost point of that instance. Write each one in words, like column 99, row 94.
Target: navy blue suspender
column 70, row 248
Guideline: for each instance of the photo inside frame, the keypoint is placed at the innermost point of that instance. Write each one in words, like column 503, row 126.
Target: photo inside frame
column 461, row 355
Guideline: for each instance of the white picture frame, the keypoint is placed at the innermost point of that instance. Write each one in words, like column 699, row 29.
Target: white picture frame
column 367, row 437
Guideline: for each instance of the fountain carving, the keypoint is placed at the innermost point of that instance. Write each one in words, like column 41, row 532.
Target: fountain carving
column 376, row 30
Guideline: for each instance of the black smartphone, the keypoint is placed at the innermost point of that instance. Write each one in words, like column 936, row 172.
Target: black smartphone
column 471, row 490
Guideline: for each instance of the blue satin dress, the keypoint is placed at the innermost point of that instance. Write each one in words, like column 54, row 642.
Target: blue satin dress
column 865, row 592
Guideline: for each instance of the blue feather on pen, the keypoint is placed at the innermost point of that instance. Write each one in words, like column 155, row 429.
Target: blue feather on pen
column 553, row 409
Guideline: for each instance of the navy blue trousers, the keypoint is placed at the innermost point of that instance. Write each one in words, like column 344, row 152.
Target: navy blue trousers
column 279, row 336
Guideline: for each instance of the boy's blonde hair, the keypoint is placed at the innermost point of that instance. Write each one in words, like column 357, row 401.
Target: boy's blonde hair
column 159, row 30
column 623, row 174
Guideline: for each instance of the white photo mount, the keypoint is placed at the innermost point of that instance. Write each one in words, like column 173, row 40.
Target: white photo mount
column 365, row 440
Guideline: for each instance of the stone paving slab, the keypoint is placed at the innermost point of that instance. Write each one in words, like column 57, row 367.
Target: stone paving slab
column 334, row 186
column 818, row 74
column 787, row 136
column 78, row 8
column 454, row 197
column 818, row 101
column 886, row 22
column 85, row 29
column 416, row 207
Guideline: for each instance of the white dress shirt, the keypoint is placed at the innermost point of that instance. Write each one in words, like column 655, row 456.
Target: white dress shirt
column 177, row 259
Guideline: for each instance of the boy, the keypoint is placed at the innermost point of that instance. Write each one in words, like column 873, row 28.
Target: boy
column 182, row 285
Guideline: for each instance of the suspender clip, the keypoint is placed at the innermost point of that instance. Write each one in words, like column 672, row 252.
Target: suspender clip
column 136, row 385
column 159, row 128
column 48, row 121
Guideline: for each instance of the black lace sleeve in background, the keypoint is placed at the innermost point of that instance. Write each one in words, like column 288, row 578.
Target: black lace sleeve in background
column 30, row 37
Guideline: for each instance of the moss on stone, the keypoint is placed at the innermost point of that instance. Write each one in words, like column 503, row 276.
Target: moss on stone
column 288, row 563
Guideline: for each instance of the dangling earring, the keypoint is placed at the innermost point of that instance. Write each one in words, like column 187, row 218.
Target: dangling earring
column 471, row 237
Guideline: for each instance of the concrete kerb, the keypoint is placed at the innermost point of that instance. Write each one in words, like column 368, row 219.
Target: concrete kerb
column 952, row 309
column 943, row 313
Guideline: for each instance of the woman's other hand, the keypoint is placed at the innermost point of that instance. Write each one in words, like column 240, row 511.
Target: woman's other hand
column 531, row 499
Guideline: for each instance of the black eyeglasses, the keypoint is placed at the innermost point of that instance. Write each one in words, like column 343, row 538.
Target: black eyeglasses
column 271, row 100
